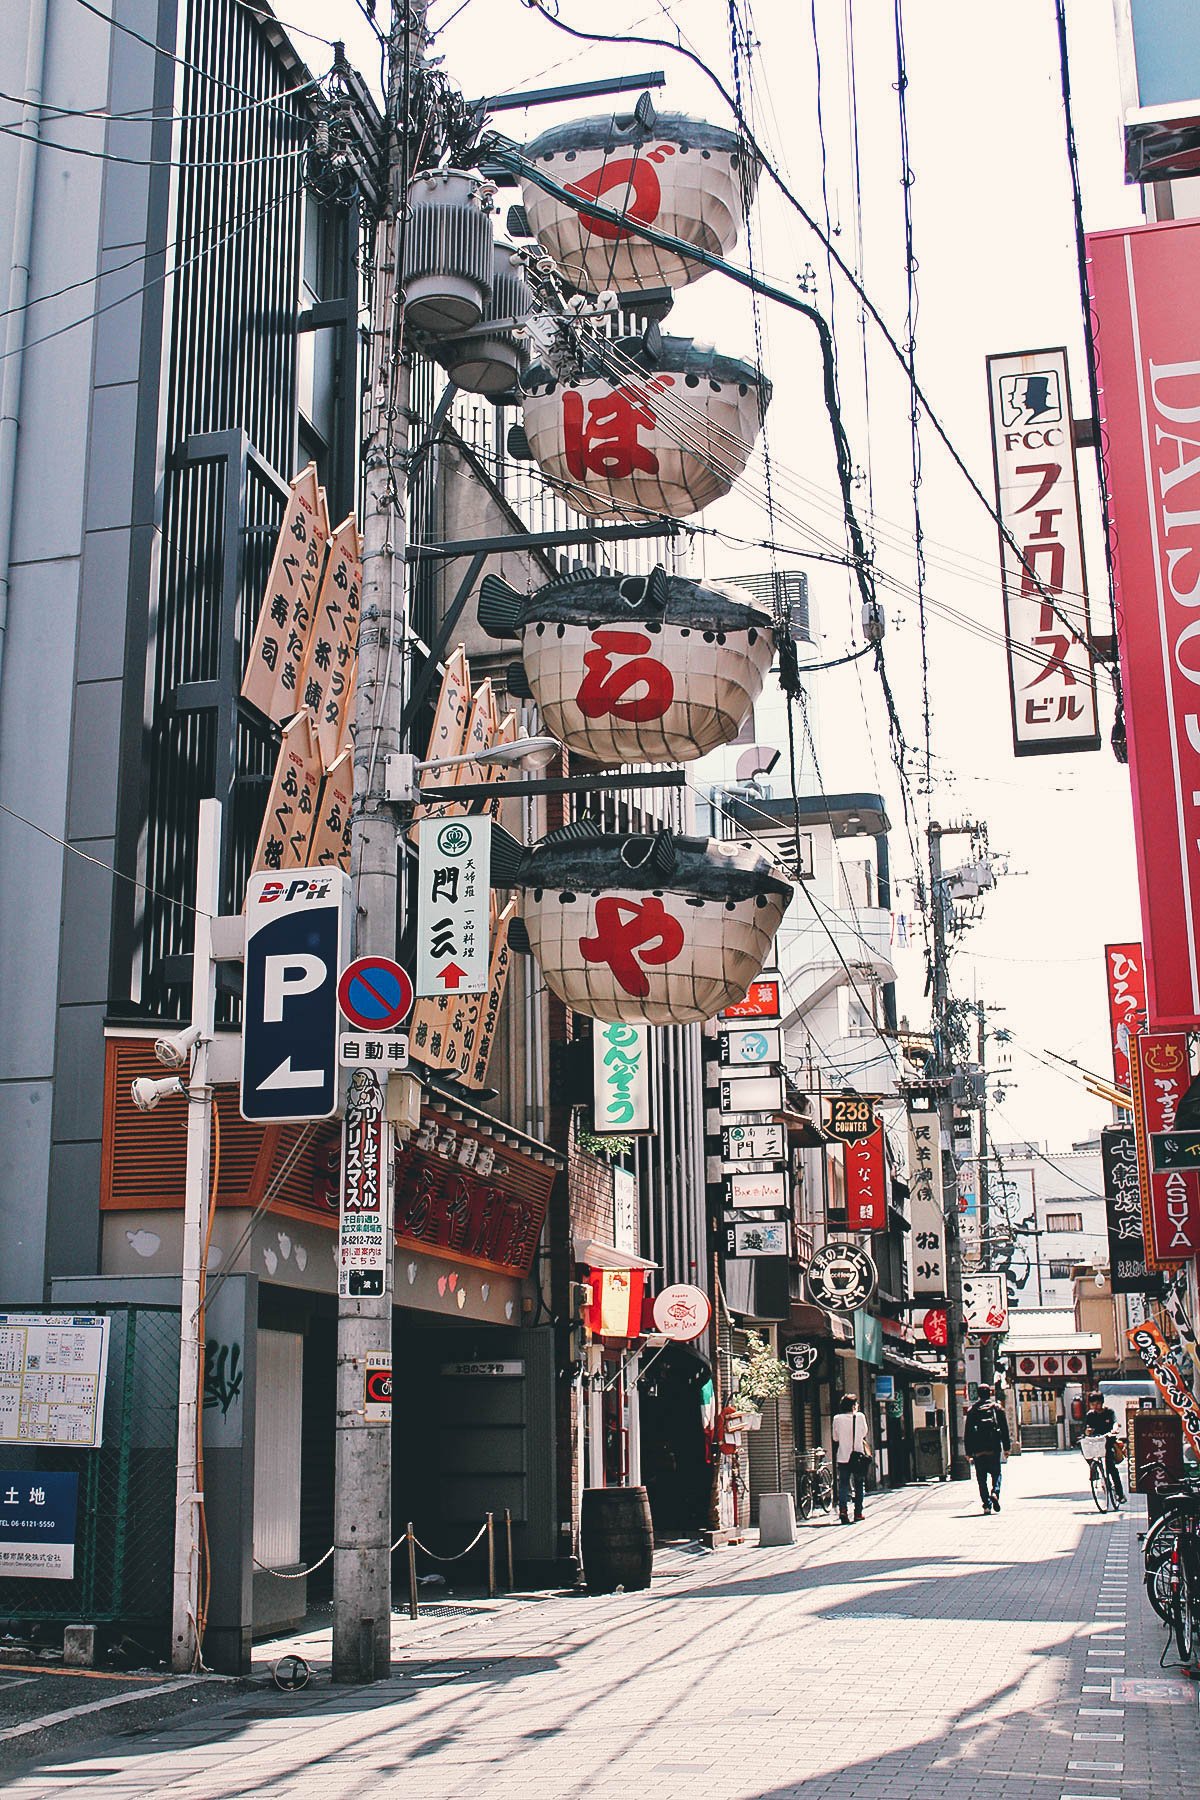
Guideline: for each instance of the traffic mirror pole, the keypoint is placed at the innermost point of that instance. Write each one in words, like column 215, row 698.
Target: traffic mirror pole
column 362, row 1569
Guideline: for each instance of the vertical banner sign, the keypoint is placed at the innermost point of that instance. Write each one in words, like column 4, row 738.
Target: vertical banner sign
column 1129, row 1271
column 1170, row 1198
column 985, row 1302
column 866, row 1182
column 292, row 805
column 926, row 1204
column 454, row 868
column 1143, row 284
column 1051, row 678
column 329, row 846
column 329, row 670
column 274, row 668
column 364, row 1222
column 1152, row 1347
column 1126, row 974
column 621, row 1079
column 448, row 736
column 480, row 1033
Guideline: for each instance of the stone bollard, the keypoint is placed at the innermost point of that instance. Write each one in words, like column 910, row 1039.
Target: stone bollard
column 776, row 1520
column 79, row 1646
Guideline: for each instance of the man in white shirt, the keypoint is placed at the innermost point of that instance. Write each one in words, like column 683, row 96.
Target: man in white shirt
column 850, row 1455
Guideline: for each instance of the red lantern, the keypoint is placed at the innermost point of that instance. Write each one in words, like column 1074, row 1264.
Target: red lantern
column 667, row 432
column 660, row 930
column 685, row 178
column 636, row 670
column 936, row 1327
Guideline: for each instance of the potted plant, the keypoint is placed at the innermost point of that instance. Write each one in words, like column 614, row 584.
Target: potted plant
column 758, row 1376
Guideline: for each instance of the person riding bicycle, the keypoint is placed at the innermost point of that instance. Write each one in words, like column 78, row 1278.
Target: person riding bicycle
column 986, row 1441
column 1101, row 1421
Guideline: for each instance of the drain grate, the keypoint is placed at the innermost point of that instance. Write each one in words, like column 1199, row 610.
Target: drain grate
column 452, row 1612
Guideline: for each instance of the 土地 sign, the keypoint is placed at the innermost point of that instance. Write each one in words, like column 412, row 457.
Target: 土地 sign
column 38, row 1509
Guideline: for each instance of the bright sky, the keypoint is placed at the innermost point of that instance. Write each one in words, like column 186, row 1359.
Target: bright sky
column 993, row 236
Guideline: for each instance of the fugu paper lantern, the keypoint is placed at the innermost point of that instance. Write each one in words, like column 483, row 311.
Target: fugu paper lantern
column 664, row 432
column 658, row 669
column 682, row 176
column 660, row 929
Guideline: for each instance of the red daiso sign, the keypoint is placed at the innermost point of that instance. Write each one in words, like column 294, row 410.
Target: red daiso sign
column 1144, row 282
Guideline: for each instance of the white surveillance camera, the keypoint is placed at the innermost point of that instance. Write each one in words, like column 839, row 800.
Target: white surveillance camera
column 146, row 1094
column 175, row 1052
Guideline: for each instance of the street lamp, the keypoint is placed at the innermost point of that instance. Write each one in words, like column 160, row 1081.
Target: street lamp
column 403, row 769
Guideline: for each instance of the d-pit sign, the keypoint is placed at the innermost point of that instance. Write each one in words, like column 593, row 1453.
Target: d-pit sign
column 297, row 925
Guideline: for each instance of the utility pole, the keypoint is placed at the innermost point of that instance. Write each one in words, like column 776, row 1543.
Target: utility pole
column 185, row 1590
column 956, row 1369
column 987, row 1360
column 362, row 1572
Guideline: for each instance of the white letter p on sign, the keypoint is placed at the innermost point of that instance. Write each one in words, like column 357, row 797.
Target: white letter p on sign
column 286, row 977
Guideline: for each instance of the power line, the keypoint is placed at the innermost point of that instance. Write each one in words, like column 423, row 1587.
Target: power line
column 153, row 162
column 98, row 312
column 160, row 50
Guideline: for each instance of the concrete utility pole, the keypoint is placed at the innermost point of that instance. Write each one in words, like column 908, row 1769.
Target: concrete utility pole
column 185, row 1591
column 362, row 1574
column 959, row 1467
column 987, row 1360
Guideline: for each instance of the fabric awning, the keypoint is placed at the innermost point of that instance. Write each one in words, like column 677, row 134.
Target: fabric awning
column 595, row 1254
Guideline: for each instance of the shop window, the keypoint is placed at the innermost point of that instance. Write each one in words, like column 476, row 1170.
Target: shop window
column 1064, row 1221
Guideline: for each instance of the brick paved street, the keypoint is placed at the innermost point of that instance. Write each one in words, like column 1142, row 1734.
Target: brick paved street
column 930, row 1651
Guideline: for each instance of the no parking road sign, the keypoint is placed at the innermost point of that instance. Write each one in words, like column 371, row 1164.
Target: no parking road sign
column 375, row 993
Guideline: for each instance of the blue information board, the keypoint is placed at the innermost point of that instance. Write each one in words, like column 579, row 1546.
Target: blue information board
column 37, row 1524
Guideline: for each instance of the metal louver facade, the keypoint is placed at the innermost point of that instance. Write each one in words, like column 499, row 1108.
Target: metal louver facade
column 223, row 422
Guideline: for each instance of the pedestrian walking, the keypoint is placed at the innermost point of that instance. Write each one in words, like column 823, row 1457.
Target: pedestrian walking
column 850, row 1454
column 986, row 1441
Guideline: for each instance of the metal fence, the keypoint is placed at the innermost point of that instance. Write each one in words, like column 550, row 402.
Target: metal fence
column 124, row 1544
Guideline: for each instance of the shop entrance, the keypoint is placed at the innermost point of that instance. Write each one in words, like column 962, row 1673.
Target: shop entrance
column 675, row 1466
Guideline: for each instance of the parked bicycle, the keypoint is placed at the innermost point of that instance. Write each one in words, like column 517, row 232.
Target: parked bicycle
column 1105, row 1493
column 1171, row 1551
column 814, row 1483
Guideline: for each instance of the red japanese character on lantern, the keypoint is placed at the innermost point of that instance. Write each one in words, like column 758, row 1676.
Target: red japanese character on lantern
column 602, row 438
column 624, row 927
column 632, row 186
column 602, row 690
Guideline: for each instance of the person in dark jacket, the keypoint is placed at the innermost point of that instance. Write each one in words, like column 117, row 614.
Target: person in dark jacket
column 986, row 1442
column 1101, row 1421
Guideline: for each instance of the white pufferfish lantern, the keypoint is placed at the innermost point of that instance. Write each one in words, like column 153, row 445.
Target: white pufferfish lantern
column 682, row 176
column 656, row 929
column 636, row 669
column 664, row 425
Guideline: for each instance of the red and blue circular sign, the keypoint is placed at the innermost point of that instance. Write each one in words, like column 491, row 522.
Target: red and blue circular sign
column 375, row 994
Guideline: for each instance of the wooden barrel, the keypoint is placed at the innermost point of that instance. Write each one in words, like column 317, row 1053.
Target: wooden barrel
column 617, row 1539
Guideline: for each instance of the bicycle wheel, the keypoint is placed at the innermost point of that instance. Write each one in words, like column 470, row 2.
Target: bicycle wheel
column 1160, row 1542
column 1099, row 1481
column 1183, row 1603
column 804, row 1500
column 823, row 1489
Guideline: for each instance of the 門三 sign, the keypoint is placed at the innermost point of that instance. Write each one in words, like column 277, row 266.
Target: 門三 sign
column 454, row 866
column 621, row 1078
column 752, row 1143
column 1052, row 682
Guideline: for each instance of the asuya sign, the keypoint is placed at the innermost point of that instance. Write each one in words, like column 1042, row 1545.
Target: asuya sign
column 1143, row 282
column 621, row 1079
column 1052, row 683
column 1170, row 1199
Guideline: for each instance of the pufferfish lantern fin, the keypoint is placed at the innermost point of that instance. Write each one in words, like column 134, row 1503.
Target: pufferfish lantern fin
column 499, row 607
column 518, row 938
column 507, row 855
column 578, row 831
